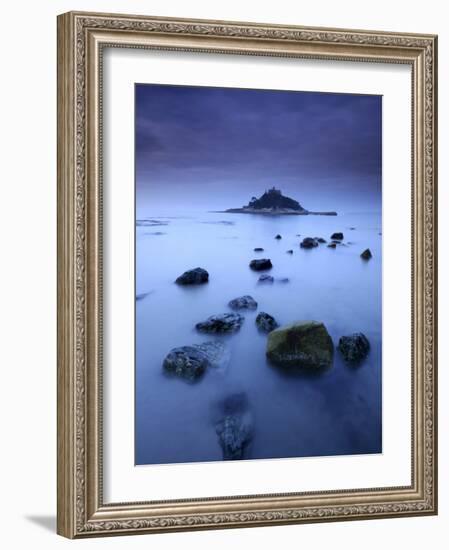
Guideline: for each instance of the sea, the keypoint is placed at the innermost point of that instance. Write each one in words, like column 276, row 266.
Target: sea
column 336, row 411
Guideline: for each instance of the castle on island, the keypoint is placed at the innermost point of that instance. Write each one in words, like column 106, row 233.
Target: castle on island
column 273, row 199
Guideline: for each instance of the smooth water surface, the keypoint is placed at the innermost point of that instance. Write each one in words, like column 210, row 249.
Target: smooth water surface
column 337, row 411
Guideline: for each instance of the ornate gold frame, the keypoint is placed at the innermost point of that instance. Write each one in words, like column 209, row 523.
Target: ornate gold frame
column 81, row 38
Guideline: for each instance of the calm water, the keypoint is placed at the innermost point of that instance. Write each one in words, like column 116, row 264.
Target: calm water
column 335, row 412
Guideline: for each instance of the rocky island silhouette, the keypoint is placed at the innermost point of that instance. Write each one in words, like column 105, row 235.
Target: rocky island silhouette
column 274, row 203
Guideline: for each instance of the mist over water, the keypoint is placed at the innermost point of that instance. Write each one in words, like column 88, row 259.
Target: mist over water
column 336, row 411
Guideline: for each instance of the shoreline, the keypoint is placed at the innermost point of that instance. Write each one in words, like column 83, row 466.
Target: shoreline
column 273, row 212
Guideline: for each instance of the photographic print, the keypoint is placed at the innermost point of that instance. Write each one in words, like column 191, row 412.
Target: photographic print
column 258, row 280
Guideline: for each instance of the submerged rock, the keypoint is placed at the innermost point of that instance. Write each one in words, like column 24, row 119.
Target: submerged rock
column 308, row 242
column 337, row 236
column 266, row 279
column 289, row 251
column 235, row 403
column 258, row 249
column 191, row 362
column 195, row 276
column 266, row 322
column 366, row 254
column 354, row 348
column 234, row 434
column 332, row 245
column 301, row 344
column 320, row 240
column 243, row 302
column 284, row 280
column 222, row 323
column 260, row 265
column 278, row 237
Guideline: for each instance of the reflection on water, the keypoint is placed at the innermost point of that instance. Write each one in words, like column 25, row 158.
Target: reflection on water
column 336, row 411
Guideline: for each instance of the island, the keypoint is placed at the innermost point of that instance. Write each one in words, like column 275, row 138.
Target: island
column 274, row 203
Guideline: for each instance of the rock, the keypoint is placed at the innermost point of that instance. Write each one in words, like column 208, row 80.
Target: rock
column 243, row 302
column 284, row 280
column 142, row 296
column 320, row 240
column 222, row 323
column 195, row 276
column 352, row 228
column 234, row 434
column 191, row 362
column 266, row 322
column 266, row 279
column 289, row 251
column 366, row 254
column 337, row 236
column 258, row 250
column 236, row 403
column 354, row 347
column 260, row 265
column 302, row 344
column 278, row 237
column 332, row 245
column 308, row 242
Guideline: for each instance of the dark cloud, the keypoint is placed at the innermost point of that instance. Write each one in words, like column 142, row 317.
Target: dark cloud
column 214, row 136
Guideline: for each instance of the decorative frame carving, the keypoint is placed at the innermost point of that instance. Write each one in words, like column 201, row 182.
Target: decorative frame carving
column 81, row 38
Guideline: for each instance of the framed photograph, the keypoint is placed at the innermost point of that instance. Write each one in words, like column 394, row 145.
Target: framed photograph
column 247, row 248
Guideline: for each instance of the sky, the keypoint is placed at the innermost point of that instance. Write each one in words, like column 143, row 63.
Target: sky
column 214, row 148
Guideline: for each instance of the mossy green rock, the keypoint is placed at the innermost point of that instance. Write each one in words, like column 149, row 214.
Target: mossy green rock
column 302, row 344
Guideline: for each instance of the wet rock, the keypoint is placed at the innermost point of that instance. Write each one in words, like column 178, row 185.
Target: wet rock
column 191, row 362
column 366, row 254
column 320, row 240
column 266, row 279
column 195, row 276
column 354, row 348
column 260, row 265
column 308, row 242
column 337, row 236
column 278, row 237
column 221, row 323
column 258, row 249
column 243, row 302
column 289, row 251
column 234, row 434
column 305, row 344
column 332, row 245
column 266, row 322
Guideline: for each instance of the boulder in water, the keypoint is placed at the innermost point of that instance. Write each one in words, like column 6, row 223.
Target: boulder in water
column 302, row 344
column 234, row 434
column 195, row 276
column 222, row 323
column 243, row 302
column 308, row 242
column 266, row 322
column 366, row 254
column 354, row 348
column 191, row 362
column 260, row 265
column 337, row 236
